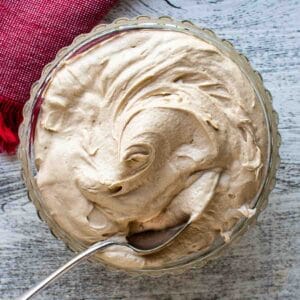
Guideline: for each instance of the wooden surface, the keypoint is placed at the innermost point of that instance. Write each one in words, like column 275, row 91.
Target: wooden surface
column 265, row 264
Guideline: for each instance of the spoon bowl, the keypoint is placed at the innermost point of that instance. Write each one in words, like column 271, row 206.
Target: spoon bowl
column 151, row 241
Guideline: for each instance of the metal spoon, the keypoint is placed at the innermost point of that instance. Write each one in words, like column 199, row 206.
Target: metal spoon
column 143, row 243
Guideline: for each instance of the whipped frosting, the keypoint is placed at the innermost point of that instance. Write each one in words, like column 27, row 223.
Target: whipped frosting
column 143, row 131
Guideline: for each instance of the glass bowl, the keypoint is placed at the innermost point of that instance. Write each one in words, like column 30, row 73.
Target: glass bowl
column 100, row 33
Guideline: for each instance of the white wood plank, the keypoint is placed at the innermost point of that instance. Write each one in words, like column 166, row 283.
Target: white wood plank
column 264, row 264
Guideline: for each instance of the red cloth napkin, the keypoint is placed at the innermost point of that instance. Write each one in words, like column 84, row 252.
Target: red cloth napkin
column 31, row 32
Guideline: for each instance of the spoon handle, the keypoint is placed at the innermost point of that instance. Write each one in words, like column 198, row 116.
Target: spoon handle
column 66, row 267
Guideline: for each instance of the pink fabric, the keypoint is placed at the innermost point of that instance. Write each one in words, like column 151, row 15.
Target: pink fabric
column 31, row 32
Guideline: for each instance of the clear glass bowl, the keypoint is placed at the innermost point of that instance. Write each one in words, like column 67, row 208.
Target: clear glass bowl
column 100, row 33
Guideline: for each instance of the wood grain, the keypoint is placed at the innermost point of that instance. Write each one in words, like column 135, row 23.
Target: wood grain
column 264, row 264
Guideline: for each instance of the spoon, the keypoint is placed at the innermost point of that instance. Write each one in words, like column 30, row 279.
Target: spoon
column 143, row 243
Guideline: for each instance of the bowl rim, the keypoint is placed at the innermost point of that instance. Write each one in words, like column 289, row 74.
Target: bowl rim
column 164, row 23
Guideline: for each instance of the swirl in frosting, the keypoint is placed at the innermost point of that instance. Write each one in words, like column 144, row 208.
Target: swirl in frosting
column 144, row 130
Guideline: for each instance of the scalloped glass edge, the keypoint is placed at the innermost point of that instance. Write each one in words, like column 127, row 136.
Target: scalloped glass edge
column 163, row 23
